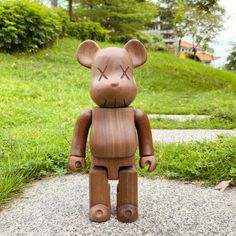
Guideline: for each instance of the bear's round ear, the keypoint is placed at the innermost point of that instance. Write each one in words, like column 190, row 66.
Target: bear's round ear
column 86, row 53
column 137, row 52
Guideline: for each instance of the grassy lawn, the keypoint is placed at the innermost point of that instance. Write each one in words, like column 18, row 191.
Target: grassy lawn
column 211, row 162
column 41, row 95
column 168, row 85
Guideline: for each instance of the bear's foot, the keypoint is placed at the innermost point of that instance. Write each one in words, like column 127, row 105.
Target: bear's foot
column 127, row 213
column 99, row 213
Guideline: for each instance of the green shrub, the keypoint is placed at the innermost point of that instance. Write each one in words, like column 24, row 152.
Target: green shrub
column 224, row 115
column 153, row 42
column 64, row 21
column 88, row 30
column 28, row 26
column 122, row 38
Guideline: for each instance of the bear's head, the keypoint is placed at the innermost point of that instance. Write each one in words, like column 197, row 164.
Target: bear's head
column 113, row 83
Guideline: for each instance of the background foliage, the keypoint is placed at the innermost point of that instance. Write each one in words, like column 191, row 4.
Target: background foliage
column 120, row 17
column 199, row 20
column 28, row 26
column 231, row 59
column 88, row 30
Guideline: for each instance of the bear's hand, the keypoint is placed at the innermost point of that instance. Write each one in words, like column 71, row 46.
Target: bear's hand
column 150, row 160
column 73, row 162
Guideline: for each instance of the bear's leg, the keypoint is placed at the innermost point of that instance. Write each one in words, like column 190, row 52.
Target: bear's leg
column 127, row 195
column 99, row 195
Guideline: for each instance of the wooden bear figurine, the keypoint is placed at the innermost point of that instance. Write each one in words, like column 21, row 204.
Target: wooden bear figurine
column 115, row 129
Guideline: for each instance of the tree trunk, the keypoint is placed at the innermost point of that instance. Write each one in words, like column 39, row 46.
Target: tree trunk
column 54, row 3
column 194, row 48
column 194, row 52
column 70, row 13
column 179, row 45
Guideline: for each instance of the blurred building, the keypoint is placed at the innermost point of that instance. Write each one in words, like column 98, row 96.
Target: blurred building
column 165, row 29
column 163, row 25
column 188, row 50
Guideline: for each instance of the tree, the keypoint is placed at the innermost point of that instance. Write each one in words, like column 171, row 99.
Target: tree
column 231, row 59
column 203, row 26
column 120, row 17
column 201, row 20
column 180, row 21
column 205, row 5
column 70, row 9
column 54, row 3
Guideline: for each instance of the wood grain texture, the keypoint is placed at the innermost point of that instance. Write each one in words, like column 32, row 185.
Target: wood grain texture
column 80, row 133
column 99, row 195
column 137, row 52
column 127, row 195
column 113, row 133
column 116, row 129
column 113, row 84
column 144, row 134
column 113, row 165
column 86, row 52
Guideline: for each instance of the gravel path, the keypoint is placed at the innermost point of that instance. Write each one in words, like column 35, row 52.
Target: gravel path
column 59, row 206
column 178, row 117
column 187, row 135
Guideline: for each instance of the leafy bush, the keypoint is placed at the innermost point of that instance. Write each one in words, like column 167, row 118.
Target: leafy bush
column 122, row 38
column 28, row 26
column 153, row 42
column 224, row 115
column 88, row 30
column 125, row 37
column 64, row 21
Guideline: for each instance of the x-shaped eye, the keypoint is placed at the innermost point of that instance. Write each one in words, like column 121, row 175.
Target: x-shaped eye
column 124, row 73
column 102, row 73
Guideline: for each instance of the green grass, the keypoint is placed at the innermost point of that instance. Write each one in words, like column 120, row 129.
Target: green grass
column 207, row 161
column 41, row 95
column 169, row 85
column 192, row 124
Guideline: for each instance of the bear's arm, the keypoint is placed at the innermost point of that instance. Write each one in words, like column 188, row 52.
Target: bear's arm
column 80, row 134
column 144, row 134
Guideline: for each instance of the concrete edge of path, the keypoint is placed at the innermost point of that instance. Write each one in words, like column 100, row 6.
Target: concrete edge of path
column 188, row 135
column 178, row 117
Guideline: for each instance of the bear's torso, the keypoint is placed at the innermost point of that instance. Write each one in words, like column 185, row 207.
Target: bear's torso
column 113, row 133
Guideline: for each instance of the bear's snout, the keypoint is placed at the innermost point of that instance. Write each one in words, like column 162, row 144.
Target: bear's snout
column 114, row 84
